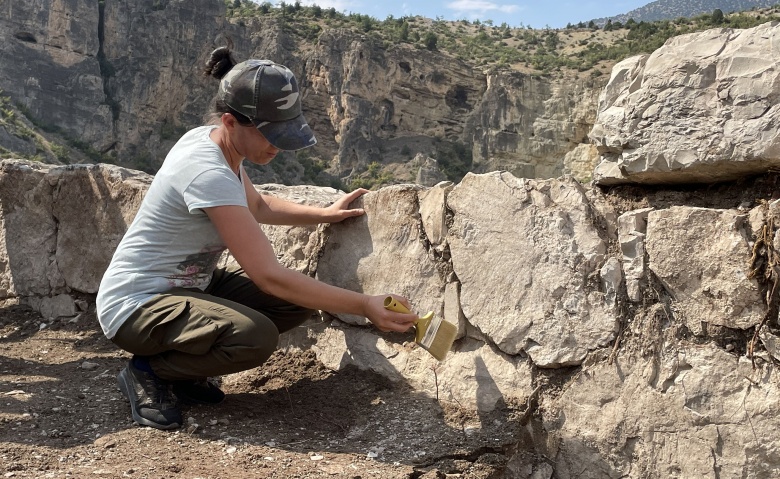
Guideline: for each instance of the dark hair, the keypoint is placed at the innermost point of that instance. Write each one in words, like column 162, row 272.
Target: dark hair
column 219, row 63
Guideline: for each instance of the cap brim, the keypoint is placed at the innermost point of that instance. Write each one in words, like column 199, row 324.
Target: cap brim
column 288, row 135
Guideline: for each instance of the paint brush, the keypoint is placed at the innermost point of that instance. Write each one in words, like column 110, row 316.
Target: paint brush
column 434, row 334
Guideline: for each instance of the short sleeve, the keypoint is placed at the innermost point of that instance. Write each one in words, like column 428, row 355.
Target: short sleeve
column 214, row 188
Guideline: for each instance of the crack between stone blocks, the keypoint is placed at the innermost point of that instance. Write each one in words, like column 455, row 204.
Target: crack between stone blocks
column 442, row 259
column 470, row 456
column 323, row 235
column 54, row 188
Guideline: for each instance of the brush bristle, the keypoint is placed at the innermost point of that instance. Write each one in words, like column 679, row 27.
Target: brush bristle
column 439, row 337
column 434, row 334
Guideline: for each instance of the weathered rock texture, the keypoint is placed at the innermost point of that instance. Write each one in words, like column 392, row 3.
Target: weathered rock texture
column 119, row 76
column 531, row 274
column 702, row 108
column 542, row 248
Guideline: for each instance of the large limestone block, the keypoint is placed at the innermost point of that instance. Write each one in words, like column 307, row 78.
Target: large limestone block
column 384, row 251
column 701, row 256
column 28, row 232
column 668, row 416
column 93, row 206
column 478, row 376
column 699, row 109
column 525, row 252
column 61, row 225
column 298, row 247
column 474, row 376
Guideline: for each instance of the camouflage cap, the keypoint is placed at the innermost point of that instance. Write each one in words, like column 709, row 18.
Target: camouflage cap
column 267, row 93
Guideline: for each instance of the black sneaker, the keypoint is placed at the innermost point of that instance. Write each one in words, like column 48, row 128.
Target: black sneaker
column 198, row 392
column 150, row 399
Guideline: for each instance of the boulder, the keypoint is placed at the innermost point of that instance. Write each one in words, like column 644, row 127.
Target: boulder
column 697, row 110
column 524, row 252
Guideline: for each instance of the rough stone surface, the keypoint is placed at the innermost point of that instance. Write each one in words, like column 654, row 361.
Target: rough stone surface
column 298, row 247
column 28, row 232
column 60, row 305
column 666, row 416
column 632, row 230
column 87, row 237
column 433, row 211
column 475, row 375
column 713, row 287
column 698, row 109
column 383, row 252
column 524, row 252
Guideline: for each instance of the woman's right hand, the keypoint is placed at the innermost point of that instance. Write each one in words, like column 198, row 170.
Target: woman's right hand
column 386, row 320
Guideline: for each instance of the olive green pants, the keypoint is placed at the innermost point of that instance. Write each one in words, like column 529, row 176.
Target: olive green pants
column 191, row 334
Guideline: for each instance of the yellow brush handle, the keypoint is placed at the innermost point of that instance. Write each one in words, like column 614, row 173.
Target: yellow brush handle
column 420, row 326
column 394, row 305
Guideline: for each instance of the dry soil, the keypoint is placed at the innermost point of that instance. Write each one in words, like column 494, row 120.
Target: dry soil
column 62, row 416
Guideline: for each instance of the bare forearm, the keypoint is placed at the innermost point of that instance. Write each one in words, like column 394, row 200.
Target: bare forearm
column 276, row 211
column 254, row 253
column 300, row 289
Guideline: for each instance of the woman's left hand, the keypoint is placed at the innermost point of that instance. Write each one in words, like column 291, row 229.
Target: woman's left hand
column 340, row 210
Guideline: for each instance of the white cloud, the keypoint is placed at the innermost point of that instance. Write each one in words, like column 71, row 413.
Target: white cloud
column 480, row 6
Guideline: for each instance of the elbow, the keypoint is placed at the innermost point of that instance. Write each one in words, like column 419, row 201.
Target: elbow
column 273, row 280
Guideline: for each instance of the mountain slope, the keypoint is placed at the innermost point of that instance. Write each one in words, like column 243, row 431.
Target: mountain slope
column 673, row 9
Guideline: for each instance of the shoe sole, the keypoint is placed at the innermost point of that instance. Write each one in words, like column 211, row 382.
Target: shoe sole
column 124, row 387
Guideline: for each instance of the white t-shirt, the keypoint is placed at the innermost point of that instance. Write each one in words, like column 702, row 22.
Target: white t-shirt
column 171, row 242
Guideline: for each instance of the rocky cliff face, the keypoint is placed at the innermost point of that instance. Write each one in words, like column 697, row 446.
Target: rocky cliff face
column 119, row 76
column 123, row 78
column 49, row 55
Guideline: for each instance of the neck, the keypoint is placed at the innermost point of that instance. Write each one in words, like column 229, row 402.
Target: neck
column 222, row 139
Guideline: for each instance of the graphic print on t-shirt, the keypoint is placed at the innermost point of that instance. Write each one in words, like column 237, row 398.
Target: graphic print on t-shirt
column 197, row 268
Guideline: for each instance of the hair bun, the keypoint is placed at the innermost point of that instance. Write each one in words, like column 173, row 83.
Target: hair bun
column 220, row 62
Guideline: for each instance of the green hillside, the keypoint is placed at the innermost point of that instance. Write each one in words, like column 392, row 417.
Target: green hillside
column 581, row 48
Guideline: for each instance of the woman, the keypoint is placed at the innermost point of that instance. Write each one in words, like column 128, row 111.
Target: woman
column 163, row 299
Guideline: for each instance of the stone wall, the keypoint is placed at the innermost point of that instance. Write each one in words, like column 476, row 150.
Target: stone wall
column 532, row 273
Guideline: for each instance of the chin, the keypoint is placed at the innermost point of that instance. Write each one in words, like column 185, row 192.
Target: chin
column 261, row 161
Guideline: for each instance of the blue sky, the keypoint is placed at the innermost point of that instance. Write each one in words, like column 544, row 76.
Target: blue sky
column 537, row 14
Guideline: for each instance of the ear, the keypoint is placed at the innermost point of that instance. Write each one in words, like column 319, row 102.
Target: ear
column 229, row 121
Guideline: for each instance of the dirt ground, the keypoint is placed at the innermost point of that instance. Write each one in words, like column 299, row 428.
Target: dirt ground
column 62, row 416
